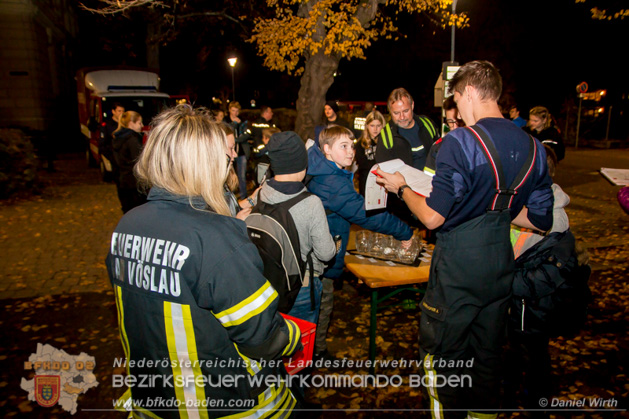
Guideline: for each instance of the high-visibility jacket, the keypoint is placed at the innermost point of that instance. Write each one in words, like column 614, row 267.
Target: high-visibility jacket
column 392, row 145
column 256, row 130
column 198, row 321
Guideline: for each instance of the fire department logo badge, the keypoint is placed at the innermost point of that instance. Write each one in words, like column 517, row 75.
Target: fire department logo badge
column 47, row 389
column 60, row 378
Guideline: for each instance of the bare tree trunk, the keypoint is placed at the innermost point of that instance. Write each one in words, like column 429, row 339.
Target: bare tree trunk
column 152, row 46
column 317, row 78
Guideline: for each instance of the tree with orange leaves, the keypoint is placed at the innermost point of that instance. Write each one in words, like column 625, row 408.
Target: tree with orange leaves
column 611, row 10
column 306, row 38
column 310, row 37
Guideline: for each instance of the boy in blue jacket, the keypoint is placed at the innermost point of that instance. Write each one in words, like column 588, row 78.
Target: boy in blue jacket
column 335, row 187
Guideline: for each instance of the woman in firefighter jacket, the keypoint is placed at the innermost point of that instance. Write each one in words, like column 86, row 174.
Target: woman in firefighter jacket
column 198, row 321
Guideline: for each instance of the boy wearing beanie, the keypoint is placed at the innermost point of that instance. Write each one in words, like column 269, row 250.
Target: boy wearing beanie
column 289, row 160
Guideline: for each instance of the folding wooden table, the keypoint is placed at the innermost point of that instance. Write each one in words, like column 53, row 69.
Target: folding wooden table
column 379, row 274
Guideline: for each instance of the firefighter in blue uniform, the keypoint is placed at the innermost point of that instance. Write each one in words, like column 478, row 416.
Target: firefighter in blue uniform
column 487, row 176
column 198, row 321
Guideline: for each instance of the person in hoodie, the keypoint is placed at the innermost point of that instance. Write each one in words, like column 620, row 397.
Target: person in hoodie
column 333, row 184
column 289, row 159
column 127, row 145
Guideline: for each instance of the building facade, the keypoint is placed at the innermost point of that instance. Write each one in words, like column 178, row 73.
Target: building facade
column 37, row 77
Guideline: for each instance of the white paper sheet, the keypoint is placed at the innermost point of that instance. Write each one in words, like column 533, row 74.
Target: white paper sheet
column 376, row 195
column 616, row 176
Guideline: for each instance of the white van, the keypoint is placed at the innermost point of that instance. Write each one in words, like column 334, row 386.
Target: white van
column 99, row 88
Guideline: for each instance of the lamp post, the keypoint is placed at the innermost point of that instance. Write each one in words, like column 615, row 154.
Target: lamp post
column 452, row 33
column 232, row 63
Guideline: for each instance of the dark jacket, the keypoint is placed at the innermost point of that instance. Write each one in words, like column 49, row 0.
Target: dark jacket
column 335, row 188
column 552, row 137
column 338, row 121
column 242, row 136
column 550, row 290
column 127, row 145
column 365, row 159
column 256, row 130
column 105, row 146
column 392, row 145
column 194, row 294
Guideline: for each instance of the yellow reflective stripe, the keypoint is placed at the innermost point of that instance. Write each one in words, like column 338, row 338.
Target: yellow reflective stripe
column 193, row 356
column 294, row 336
column 283, row 404
column 428, row 125
column 429, row 171
column 123, row 404
column 251, row 306
column 174, row 358
column 436, row 408
column 287, row 405
column 123, row 331
column 182, row 331
column 413, row 149
column 387, row 136
column 125, row 346
column 141, row 413
column 252, row 365
column 268, row 394
column 271, row 404
column 475, row 415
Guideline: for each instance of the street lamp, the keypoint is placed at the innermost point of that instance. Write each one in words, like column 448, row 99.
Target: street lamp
column 452, row 33
column 232, row 63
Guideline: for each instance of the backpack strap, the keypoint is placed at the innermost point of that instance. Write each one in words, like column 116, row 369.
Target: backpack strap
column 293, row 201
column 287, row 205
column 504, row 196
column 309, row 264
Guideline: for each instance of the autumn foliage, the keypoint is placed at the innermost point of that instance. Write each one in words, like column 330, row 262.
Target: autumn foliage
column 343, row 28
column 610, row 10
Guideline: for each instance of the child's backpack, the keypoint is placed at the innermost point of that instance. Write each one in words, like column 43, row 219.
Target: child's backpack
column 550, row 288
column 272, row 229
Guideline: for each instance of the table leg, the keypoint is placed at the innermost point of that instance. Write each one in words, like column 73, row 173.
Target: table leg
column 373, row 324
column 372, row 331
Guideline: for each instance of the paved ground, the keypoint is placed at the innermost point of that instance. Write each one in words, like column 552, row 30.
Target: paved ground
column 56, row 242
column 54, row 288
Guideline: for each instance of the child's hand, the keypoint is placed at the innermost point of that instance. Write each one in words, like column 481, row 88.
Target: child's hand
column 242, row 214
column 245, row 203
column 254, row 195
column 406, row 244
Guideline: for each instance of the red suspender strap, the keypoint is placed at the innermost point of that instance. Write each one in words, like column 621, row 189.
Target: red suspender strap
column 504, row 197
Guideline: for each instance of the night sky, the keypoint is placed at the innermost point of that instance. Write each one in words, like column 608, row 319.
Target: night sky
column 542, row 48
